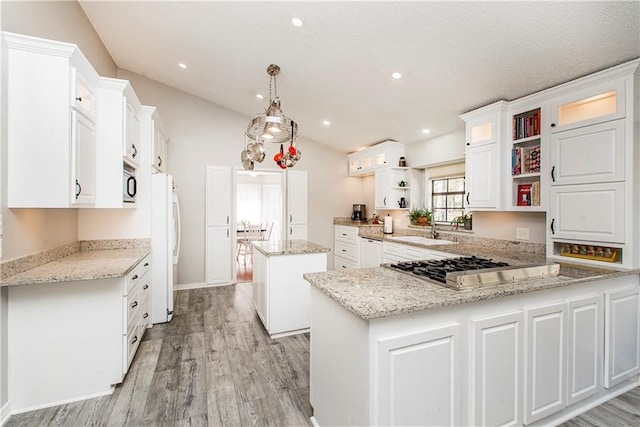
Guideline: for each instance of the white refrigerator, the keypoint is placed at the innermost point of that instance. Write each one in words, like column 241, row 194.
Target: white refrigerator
column 165, row 245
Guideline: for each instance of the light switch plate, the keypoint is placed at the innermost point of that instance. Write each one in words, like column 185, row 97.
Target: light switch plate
column 522, row 233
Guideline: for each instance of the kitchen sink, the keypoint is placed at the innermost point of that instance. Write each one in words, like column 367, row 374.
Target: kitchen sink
column 420, row 240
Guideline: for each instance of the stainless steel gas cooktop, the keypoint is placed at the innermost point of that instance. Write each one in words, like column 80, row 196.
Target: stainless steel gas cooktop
column 463, row 272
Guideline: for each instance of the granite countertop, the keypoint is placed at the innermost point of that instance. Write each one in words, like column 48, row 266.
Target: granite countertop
column 82, row 265
column 288, row 247
column 372, row 293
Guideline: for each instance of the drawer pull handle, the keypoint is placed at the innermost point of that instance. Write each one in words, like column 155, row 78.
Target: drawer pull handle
column 135, row 304
column 135, row 151
column 135, row 338
column 553, row 174
column 135, row 276
column 344, row 234
column 144, row 316
column 553, row 220
column 344, row 250
column 78, row 189
column 145, row 287
column 79, row 98
column 146, row 264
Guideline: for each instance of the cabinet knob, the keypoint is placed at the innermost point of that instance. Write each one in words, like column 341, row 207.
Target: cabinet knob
column 145, row 287
column 468, row 143
column 146, row 264
column 135, row 304
column 133, row 341
column 553, row 125
column 134, row 277
column 144, row 316
column 79, row 98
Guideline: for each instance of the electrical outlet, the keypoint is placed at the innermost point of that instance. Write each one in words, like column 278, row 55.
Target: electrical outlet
column 522, row 233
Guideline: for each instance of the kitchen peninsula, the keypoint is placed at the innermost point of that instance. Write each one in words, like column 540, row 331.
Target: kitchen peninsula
column 280, row 293
column 389, row 348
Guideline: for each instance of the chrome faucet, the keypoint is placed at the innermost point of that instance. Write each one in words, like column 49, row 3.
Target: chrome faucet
column 434, row 233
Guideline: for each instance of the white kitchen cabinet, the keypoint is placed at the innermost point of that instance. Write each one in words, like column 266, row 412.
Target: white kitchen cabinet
column 387, row 191
column 406, row 363
column 596, row 103
column 585, row 330
column 591, row 212
column 370, row 252
column 384, row 154
column 95, row 326
column 622, row 329
column 118, row 140
column 297, row 204
column 160, row 147
column 283, row 299
column 346, row 253
column 590, row 154
column 545, row 361
column 497, row 366
column 395, row 252
column 484, row 134
column 50, row 124
column 218, row 217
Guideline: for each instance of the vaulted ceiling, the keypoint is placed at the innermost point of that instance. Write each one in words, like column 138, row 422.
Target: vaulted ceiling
column 337, row 67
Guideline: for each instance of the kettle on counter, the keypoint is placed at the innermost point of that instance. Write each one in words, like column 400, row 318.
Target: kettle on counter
column 402, row 203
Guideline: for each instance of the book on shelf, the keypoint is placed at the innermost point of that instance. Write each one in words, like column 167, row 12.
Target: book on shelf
column 526, row 125
column 524, row 195
column 525, row 160
column 535, row 193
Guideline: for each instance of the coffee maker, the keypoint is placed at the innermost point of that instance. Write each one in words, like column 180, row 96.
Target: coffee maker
column 358, row 213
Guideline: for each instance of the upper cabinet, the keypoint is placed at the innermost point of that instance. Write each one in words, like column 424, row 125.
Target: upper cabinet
column 151, row 127
column 482, row 157
column 384, row 154
column 50, row 124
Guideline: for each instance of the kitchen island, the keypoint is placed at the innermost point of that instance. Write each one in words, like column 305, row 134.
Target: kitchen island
column 388, row 348
column 280, row 293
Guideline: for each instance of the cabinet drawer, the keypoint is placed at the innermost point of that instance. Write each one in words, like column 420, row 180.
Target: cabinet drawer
column 392, row 249
column 133, row 339
column 346, row 234
column 138, row 272
column 133, row 304
column 341, row 263
column 414, row 253
column 346, row 250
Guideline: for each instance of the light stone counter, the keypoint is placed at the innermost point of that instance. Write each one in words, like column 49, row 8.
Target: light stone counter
column 372, row 293
column 81, row 265
column 288, row 247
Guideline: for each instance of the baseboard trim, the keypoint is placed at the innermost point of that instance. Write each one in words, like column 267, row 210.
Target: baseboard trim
column 197, row 285
column 64, row 401
column 5, row 413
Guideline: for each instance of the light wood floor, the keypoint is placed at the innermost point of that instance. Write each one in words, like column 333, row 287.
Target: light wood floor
column 215, row 365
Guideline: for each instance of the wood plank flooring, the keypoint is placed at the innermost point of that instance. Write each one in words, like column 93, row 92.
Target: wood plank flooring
column 215, row 365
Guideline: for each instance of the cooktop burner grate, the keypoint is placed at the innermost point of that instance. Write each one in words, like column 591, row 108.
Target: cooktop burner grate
column 437, row 269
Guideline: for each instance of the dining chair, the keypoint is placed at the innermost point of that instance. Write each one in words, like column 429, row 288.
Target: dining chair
column 266, row 234
column 252, row 232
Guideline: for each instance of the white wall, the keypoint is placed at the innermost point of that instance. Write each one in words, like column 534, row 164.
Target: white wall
column 202, row 133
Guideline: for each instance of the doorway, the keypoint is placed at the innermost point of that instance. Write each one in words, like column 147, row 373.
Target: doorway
column 258, row 203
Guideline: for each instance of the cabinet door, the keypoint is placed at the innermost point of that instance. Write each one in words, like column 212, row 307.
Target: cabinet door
column 482, row 131
column 83, row 98
column 496, row 379
column 482, row 177
column 622, row 351
column 83, row 148
column 593, row 212
column 260, row 290
column 297, row 204
column 159, row 149
column 218, row 198
column 298, row 231
column 132, row 134
column 218, row 255
column 589, row 154
column 596, row 104
column 382, row 189
column 418, row 378
column 584, row 350
column 545, row 361
column 371, row 253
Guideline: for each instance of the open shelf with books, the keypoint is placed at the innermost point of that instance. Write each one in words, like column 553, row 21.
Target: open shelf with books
column 525, row 159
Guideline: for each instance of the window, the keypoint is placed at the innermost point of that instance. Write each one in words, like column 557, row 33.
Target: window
column 447, row 198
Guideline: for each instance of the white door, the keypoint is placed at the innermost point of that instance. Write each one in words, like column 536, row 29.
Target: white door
column 482, row 176
column 83, row 142
column 382, row 189
column 297, row 206
column 584, row 350
column 132, row 134
column 589, row 154
column 408, row 362
column 545, row 361
column 219, row 244
column 593, row 212
column 622, row 353
column 371, row 253
column 496, row 381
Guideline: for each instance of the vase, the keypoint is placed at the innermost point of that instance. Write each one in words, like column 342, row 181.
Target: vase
column 422, row 221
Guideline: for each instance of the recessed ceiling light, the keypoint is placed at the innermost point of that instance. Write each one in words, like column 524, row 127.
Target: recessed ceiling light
column 326, row 123
column 259, row 96
column 182, row 65
column 297, row 22
column 426, row 131
column 396, row 75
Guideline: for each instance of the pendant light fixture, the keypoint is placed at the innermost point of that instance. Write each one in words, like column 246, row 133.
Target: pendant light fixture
column 271, row 126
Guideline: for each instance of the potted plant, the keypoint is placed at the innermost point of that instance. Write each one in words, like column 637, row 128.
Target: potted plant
column 465, row 219
column 420, row 216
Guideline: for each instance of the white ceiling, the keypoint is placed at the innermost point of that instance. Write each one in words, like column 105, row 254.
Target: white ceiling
column 454, row 56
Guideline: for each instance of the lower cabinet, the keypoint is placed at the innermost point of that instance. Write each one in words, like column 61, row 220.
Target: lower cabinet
column 347, row 247
column 536, row 358
column 370, row 252
column 74, row 340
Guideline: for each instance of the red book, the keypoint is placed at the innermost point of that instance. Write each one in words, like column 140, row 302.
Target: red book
column 524, row 195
